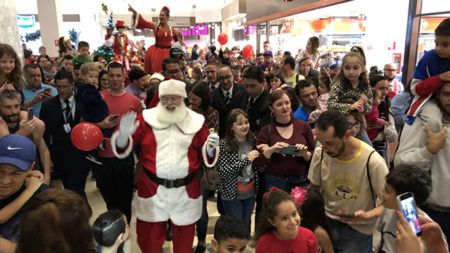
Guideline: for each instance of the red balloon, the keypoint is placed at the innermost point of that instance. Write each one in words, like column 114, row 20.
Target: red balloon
column 86, row 136
column 247, row 51
column 223, row 38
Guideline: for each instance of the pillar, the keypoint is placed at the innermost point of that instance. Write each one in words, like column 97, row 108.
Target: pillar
column 51, row 22
column 9, row 31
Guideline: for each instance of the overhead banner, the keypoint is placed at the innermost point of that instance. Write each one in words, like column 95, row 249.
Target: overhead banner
column 25, row 21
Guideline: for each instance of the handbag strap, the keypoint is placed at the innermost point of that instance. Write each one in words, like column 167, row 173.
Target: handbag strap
column 370, row 182
column 268, row 130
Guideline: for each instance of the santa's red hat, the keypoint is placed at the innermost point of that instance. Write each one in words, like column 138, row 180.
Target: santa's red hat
column 120, row 24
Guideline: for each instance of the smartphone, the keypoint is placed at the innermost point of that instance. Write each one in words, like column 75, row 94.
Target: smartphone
column 114, row 117
column 407, row 205
column 30, row 111
column 346, row 215
column 289, row 150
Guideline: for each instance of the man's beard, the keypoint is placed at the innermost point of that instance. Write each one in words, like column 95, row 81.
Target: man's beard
column 178, row 115
column 339, row 152
column 445, row 109
column 9, row 118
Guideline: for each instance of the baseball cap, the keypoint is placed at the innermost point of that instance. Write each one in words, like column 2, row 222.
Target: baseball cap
column 17, row 150
column 176, row 48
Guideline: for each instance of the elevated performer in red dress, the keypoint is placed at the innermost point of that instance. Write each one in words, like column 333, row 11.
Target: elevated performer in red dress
column 163, row 38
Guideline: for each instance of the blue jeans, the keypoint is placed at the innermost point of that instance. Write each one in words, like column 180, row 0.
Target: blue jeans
column 202, row 223
column 281, row 182
column 242, row 208
column 345, row 239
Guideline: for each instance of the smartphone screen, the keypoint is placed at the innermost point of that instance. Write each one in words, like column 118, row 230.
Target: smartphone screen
column 30, row 113
column 408, row 207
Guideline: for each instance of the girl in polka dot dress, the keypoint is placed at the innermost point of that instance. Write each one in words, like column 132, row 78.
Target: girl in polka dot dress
column 237, row 176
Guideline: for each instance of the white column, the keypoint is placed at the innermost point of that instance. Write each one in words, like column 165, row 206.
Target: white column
column 9, row 31
column 50, row 19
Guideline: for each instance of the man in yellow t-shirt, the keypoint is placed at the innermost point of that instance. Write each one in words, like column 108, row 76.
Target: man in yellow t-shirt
column 339, row 170
column 288, row 69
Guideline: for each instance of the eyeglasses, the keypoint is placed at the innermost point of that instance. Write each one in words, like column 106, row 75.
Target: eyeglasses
column 173, row 71
column 356, row 124
column 390, row 70
column 172, row 99
column 222, row 78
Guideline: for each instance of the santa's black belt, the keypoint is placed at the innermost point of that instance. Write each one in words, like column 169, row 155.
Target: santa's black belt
column 163, row 47
column 170, row 183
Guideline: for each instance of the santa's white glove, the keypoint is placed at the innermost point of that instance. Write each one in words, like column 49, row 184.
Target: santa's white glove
column 127, row 128
column 212, row 143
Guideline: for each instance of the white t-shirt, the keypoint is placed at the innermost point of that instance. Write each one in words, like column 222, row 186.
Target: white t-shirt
column 345, row 184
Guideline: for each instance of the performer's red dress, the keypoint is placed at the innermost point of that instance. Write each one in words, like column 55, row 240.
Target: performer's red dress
column 158, row 52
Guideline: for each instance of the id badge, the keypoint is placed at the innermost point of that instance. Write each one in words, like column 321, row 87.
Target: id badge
column 67, row 128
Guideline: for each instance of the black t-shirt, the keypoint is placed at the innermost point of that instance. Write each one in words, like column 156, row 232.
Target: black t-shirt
column 10, row 229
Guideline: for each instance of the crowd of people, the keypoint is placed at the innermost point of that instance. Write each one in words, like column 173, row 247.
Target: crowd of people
column 304, row 146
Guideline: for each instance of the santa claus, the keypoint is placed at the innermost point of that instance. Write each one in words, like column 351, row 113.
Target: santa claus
column 175, row 142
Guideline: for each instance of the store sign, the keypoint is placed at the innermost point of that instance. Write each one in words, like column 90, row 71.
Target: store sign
column 25, row 21
column 178, row 21
column 195, row 30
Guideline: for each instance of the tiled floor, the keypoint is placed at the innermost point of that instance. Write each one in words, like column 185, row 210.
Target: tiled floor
column 98, row 206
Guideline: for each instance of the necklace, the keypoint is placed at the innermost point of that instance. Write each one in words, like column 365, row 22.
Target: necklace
column 283, row 124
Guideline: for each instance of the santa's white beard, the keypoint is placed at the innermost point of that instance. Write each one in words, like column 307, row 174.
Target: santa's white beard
column 178, row 115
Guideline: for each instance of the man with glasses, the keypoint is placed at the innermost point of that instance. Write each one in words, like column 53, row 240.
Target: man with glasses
column 229, row 96
column 60, row 115
column 395, row 86
column 350, row 174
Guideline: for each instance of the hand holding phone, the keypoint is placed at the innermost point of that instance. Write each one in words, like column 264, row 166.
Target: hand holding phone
column 289, row 150
column 407, row 206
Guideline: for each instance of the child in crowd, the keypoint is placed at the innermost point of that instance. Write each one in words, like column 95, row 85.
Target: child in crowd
column 324, row 92
column 94, row 107
column 432, row 71
column 309, row 52
column 83, row 53
column 312, row 211
column 350, row 90
column 11, row 70
column 32, row 184
column 279, row 228
column 276, row 80
column 230, row 235
column 401, row 179
column 237, row 176
column 111, row 232
column 374, row 123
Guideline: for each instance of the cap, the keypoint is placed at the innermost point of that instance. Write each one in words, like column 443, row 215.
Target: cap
column 268, row 53
column 17, row 150
column 172, row 87
column 176, row 48
column 157, row 76
column 120, row 23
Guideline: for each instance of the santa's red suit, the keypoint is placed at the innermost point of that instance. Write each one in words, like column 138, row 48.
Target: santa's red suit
column 169, row 151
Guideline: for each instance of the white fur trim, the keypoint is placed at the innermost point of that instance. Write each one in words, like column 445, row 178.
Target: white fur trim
column 191, row 125
column 205, row 156
column 173, row 204
column 172, row 87
column 114, row 149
